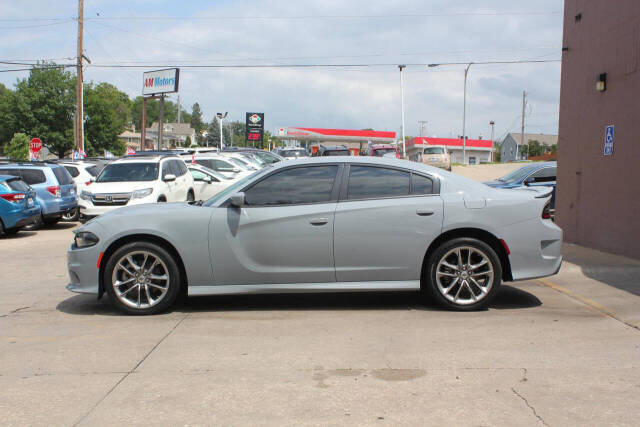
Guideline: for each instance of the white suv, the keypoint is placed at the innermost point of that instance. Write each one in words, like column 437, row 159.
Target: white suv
column 136, row 180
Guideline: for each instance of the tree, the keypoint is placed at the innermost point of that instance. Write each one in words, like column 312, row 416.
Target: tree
column 226, row 134
column 554, row 148
column 213, row 133
column 196, row 122
column 535, row 148
column 153, row 112
column 18, row 147
column 43, row 106
column 107, row 111
column 5, row 111
column 187, row 142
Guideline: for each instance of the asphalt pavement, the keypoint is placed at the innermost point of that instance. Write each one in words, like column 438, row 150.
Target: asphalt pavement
column 558, row 351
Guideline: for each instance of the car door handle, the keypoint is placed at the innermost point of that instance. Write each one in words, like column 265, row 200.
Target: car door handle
column 319, row 221
column 424, row 212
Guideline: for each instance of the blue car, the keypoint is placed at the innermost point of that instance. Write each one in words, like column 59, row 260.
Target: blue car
column 530, row 175
column 55, row 189
column 18, row 205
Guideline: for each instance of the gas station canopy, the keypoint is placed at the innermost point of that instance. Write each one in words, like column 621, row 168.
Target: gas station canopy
column 336, row 135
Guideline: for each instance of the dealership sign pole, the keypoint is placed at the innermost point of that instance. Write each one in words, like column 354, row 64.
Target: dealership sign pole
column 156, row 84
column 254, row 128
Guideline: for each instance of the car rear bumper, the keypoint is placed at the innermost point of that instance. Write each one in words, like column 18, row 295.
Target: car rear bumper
column 21, row 218
column 536, row 248
column 55, row 208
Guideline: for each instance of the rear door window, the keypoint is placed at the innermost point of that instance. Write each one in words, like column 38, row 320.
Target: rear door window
column 33, row 176
column 421, row 185
column 369, row 182
column 92, row 170
column 545, row 175
column 73, row 171
column 62, row 175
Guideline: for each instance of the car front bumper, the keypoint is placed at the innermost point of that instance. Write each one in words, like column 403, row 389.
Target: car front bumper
column 88, row 209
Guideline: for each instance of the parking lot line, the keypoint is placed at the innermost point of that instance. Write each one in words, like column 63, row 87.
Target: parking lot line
column 586, row 301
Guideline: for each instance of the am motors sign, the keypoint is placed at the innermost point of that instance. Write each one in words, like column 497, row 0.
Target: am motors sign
column 160, row 81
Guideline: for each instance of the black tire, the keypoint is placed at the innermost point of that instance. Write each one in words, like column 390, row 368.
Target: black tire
column 11, row 231
column 1, row 228
column 479, row 248
column 173, row 282
column 162, row 199
column 39, row 222
column 449, row 169
column 190, row 197
column 72, row 216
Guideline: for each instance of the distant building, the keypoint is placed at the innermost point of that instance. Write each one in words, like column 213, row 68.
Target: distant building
column 477, row 150
column 510, row 146
column 173, row 135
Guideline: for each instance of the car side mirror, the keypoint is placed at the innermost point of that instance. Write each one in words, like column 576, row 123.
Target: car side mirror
column 207, row 179
column 529, row 181
column 237, row 200
column 237, row 170
column 169, row 177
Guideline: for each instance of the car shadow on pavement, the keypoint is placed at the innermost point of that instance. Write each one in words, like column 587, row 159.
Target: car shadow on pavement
column 19, row 235
column 508, row 298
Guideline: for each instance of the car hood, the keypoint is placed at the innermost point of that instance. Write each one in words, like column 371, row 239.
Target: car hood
column 117, row 187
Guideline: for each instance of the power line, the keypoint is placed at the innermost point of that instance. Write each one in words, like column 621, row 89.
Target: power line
column 302, row 17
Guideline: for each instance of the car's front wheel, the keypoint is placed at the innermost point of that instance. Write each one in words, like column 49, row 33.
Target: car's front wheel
column 142, row 278
column 464, row 274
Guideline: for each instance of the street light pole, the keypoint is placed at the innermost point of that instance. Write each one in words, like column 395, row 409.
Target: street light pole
column 404, row 151
column 464, row 117
column 220, row 117
column 491, row 123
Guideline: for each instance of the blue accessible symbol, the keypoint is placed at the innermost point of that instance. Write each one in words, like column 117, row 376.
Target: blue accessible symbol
column 608, row 140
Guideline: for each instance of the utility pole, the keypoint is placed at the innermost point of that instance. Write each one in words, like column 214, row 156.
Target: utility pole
column 160, row 120
column 464, row 117
column 491, row 123
column 423, row 124
column 404, row 151
column 79, row 125
column 179, row 109
column 524, row 103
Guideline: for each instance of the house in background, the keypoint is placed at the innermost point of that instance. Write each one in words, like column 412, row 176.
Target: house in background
column 510, row 146
column 477, row 150
column 173, row 135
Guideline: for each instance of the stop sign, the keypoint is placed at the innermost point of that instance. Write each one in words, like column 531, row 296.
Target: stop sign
column 35, row 144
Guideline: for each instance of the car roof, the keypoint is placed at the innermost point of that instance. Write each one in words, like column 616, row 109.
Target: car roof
column 145, row 159
column 375, row 161
column 29, row 164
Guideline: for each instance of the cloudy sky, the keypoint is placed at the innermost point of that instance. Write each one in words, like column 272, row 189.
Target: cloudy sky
column 251, row 32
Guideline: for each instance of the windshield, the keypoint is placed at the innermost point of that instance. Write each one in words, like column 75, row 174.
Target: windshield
column 518, row 174
column 336, row 153
column 233, row 188
column 211, row 172
column 379, row 152
column 266, row 157
column 434, row 150
column 120, row 172
column 240, row 163
column 292, row 153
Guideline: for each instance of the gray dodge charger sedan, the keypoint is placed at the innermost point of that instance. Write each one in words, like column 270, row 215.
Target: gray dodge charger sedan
column 322, row 225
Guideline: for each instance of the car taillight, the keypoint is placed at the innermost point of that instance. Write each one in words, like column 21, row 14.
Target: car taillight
column 55, row 191
column 546, row 212
column 88, row 183
column 13, row 197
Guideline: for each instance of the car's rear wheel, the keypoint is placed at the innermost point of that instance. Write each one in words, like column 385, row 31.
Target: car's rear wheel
column 142, row 278
column 464, row 274
column 37, row 224
column 72, row 215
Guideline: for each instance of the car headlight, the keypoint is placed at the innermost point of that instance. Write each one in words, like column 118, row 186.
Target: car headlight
column 84, row 239
column 139, row 194
column 84, row 195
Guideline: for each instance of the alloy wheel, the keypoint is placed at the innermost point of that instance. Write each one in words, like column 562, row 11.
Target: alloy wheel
column 140, row 279
column 464, row 275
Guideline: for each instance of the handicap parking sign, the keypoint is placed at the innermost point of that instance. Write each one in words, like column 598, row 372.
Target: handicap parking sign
column 608, row 140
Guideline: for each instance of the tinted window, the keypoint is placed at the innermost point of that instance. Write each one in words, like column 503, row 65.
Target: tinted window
column 421, row 184
column 62, row 175
column 179, row 167
column 120, row 172
column 367, row 182
column 267, row 158
column 168, row 169
column 299, row 185
column 73, row 171
column 545, row 175
column 14, row 172
column 379, row 152
column 336, row 153
column 17, row 185
column 92, row 170
column 32, row 176
column 200, row 176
